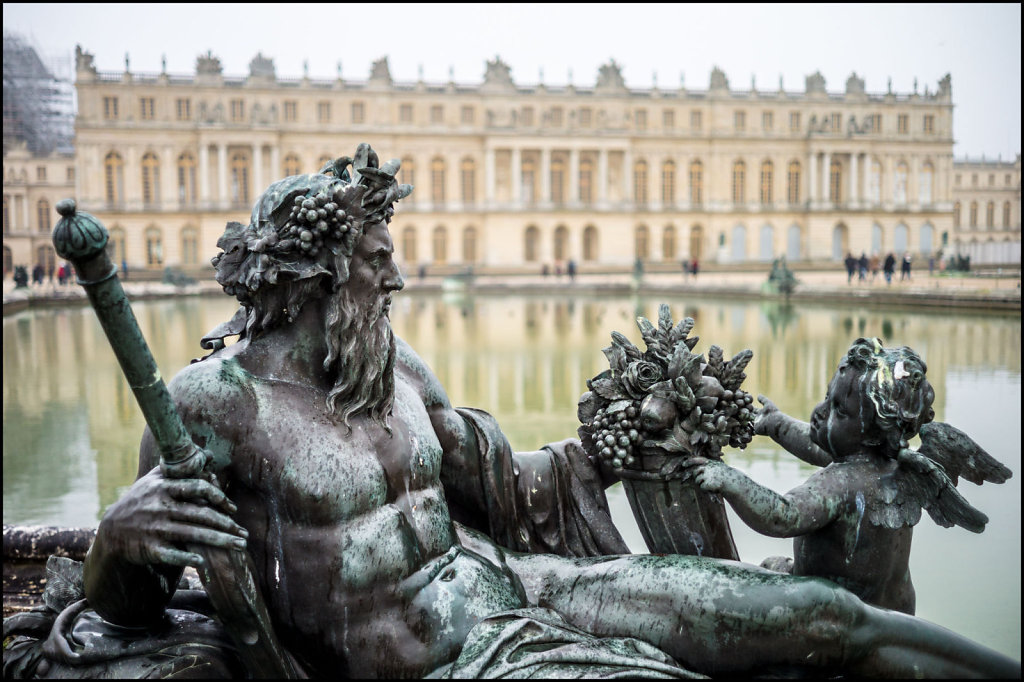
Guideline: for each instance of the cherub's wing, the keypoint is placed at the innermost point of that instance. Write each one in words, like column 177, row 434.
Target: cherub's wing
column 918, row 482
column 959, row 455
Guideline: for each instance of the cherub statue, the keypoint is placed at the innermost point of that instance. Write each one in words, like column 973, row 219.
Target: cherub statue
column 852, row 521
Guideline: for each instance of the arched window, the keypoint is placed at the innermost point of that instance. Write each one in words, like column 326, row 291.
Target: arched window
column 150, row 179
column 586, row 180
column 113, row 178
column 437, row 173
column 899, row 184
column 956, row 214
column 927, row 238
column 189, row 246
column 531, row 244
column 407, row 176
column 974, row 214
column 468, row 177
column 793, row 183
column 186, row 179
column 739, row 182
column 46, row 257
column 115, row 246
column 1006, row 214
column 924, row 189
column 561, row 243
column 766, row 250
column 640, row 182
column 793, row 240
column 876, row 238
column 835, row 181
column 739, row 243
column 668, row 182
column 990, row 215
column 469, row 250
column 440, row 242
column 767, row 170
column 240, row 179
column 43, row 213
column 900, row 238
column 875, row 182
column 668, row 243
column 641, row 243
column 590, row 243
column 154, row 247
column 292, row 165
column 696, row 183
column 697, row 242
column 409, row 245
column 558, row 180
column 840, row 240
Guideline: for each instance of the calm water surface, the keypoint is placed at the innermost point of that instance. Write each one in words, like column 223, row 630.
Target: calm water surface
column 71, row 427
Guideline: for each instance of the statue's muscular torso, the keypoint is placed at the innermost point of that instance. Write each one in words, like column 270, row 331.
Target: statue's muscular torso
column 350, row 531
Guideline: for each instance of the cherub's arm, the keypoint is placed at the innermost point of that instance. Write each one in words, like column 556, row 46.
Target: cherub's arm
column 790, row 433
column 802, row 510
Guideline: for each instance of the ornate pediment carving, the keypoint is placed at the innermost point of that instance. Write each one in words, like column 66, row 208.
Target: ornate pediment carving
column 815, row 84
column 719, row 81
column 261, row 67
column 498, row 75
column 854, row 85
column 609, row 78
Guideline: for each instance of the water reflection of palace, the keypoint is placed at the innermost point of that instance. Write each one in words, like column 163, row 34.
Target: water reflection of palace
column 524, row 359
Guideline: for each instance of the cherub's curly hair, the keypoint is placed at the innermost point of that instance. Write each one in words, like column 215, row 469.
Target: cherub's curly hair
column 301, row 235
column 894, row 381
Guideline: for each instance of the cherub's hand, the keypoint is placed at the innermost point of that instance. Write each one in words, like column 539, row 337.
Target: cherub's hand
column 711, row 475
column 154, row 521
column 767, row 418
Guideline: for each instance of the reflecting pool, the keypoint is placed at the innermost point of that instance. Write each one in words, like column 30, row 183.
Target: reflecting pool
column 71, row 427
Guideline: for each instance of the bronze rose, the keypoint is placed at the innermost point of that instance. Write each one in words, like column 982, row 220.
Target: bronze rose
column 639, row 377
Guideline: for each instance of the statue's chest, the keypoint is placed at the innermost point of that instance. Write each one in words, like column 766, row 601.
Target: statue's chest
column 323, row 472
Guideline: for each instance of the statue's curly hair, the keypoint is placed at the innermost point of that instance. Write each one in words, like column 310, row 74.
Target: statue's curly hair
column 301, row 235
column 894, row 382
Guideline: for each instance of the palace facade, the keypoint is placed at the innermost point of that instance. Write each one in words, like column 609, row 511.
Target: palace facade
column 513, row 178
column 986, row 210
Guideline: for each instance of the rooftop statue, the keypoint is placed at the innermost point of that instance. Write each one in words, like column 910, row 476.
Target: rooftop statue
column 390, row 534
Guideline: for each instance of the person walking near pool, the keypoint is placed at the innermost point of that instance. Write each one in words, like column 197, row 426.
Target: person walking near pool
column 889, row 268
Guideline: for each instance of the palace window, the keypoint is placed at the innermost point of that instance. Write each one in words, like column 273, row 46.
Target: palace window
column 561, row 243
column 147, row 108
column 469, row 245
column 586, row 117
column 668, row 182
column 437, row 173
column 929, row 124
column 668, row 243
column 154, row 247
column 696, row 120
column 558, row 180
column 640, row 182
column 240, row 179
column 409, row 245
column 183, row 109
column 323, row 112
column 899, row 187
column 237, row 110
column 641, row 119
column 531, row 244
column 590, row 243
column 189, row 246
column 586, row 180
column 43, row 213
column 407, row 176
column 110, row 108
column 71, row 174
column 526, row 118
column 836, row 122
column 405, row 113
column 292, row 166
column 956, row 214
column 1006, row 214
column 990, row 215
column 739, row 182
column 358, row 112
column 468, row 116
column 668, row 119
column 902, row 124
column 794, row 121
column 696, row 183
column 740, row 121
column 767, row 171
column 555, row 117
column 468, row 172
column 40, row 173
column 150, row 179
column 875, row 182
column 835, row 181
column 767, row 120
column 641, row 243
column 291, row 111
column 974, row 214
column 437, row 113
column 925, row 182
column 186, row 179
column 528, row 180
column 793, row 183
column 440, row 244
column 113, row 178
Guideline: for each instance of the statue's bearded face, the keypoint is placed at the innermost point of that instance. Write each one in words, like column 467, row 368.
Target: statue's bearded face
column 360, row 342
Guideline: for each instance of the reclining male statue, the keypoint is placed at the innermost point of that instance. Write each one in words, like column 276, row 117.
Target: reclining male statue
column 396, row 536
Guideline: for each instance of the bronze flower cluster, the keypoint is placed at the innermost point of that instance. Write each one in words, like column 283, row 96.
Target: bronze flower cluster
column 666, row 398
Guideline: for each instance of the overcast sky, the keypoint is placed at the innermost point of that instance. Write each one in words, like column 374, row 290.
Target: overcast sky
column 978, row 44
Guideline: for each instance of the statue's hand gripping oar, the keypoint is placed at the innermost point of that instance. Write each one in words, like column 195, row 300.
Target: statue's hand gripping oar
column 228, row 575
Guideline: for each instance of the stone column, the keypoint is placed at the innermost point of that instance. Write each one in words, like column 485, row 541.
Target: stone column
column 222, row 174
column 204, row 173
column 489, row 176
column 545, row 175
column 517, row 176
column 602, row 177
column 25, row 224
column 257, row 168
column 574, row 176
column 812, row 178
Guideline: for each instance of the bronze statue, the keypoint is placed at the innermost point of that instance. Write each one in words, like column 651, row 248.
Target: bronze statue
column 853, row 520
column 394, row 535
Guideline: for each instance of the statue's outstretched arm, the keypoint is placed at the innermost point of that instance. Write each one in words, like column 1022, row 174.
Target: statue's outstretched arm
column 790, row 433
column 800, row 511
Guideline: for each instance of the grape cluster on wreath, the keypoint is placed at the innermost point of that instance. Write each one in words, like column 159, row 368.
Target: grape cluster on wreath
column 666, row 397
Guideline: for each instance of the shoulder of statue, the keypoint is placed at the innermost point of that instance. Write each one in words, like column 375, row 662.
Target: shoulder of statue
column 411, row 366
column 213, row 389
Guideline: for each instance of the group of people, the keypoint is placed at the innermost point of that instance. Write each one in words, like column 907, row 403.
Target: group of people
column 862, row 266
column 41, row 274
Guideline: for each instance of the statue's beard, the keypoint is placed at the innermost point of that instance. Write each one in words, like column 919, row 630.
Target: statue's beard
column 361, row 355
